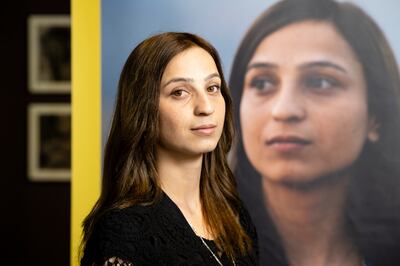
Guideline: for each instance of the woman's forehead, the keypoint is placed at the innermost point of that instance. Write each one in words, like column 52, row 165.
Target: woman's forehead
column 303, row 42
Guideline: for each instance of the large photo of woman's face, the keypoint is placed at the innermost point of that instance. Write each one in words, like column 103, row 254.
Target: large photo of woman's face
column 308, row 105
column 316, row 89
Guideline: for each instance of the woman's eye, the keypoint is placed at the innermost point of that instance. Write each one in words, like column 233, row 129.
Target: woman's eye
column 320, row 83
column 262, row 84
column 213, row 88
column 179, row 93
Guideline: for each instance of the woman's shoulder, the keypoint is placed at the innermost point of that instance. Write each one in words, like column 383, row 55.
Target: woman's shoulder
column 134, row 222
column 133, row 213
column 119, row 233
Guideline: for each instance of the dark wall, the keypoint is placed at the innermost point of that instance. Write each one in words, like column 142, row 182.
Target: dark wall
column 35, row 217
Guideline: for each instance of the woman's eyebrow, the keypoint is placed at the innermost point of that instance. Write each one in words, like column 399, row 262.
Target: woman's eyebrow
column 324, row 64
column 189, row 80
column 178, row 79
column 213, row 75
column 306, row 65
column 260, row 65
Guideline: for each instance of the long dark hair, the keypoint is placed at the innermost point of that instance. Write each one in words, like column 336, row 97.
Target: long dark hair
column 373, row 208
column 130, row 174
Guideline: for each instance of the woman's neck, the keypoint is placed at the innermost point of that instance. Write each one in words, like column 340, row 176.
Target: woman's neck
column 179, row 177
column 310, row 221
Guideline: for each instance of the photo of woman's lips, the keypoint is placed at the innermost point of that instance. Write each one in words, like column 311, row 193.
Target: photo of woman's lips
column 204, row 130
column 287, row 143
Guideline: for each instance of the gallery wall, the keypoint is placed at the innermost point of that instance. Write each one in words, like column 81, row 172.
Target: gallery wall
column 35, row 216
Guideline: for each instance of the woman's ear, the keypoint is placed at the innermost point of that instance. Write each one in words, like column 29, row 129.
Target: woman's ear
column 373, row 134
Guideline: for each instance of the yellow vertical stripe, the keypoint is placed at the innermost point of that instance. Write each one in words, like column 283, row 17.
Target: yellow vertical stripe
column 86, row 114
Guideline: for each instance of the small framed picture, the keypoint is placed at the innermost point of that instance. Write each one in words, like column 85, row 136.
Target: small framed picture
column 49, row 51
column 49, row 142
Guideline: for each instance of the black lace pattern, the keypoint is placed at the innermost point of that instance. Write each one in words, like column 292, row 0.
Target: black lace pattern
column 155, row 235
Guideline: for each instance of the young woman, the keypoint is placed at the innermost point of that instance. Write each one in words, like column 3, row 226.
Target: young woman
column 168, row 196
column 319, row 156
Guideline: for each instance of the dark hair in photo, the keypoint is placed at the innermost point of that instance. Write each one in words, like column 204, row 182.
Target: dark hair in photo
column 374, row 196
column 130, row 174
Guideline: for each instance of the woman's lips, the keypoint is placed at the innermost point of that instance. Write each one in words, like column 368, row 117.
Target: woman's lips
column 204, row 130
column 287, row 143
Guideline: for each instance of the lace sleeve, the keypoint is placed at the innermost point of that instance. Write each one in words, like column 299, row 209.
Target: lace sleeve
column 114, row 261
column 118, row 238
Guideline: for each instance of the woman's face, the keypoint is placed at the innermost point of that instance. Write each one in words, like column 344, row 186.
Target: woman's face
column 304, row 108
column 192, row 108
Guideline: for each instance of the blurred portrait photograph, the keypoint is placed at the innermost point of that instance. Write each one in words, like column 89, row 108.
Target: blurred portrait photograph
column 49, row 142
column 49, row 52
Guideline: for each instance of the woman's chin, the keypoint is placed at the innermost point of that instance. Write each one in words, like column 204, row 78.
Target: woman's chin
column 301, row 181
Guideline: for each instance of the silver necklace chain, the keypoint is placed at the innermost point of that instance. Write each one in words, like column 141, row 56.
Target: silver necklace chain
column 209, row 249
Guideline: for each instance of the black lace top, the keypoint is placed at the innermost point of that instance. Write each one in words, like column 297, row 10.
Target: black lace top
column 156, row 235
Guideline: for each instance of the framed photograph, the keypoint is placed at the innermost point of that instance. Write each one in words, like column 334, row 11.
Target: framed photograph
column 49, row 51
column 49, row 142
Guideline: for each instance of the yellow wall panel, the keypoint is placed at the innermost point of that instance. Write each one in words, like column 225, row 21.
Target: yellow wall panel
column 86, row 114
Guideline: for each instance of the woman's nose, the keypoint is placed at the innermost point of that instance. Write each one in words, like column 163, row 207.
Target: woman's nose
column 203, row 104
column 288, row 106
